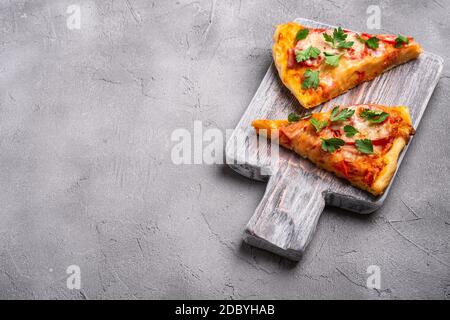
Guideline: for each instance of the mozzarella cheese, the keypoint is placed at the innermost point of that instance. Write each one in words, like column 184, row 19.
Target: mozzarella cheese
column 358, row 50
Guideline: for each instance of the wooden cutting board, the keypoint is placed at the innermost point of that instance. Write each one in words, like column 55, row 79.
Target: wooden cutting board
column 297, row 191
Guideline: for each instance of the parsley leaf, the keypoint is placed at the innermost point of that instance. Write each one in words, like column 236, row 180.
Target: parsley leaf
column 293, row 117
column 317, row 124
column 339, row 34
column 350, row 131
column 364, row 146
column 331, row 59
column 360, row 38
column 345, row 45
column 311, row 79
column 309, row 53
column 328, row 38
column 338, row 39
column 331, row 145
column 374, row 116
column 400, row 40
column 342, row 115
column 373, row 43
column 302, row 34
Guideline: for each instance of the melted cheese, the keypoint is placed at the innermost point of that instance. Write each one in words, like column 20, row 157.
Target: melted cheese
column 315, row 39
column 367, row 130
column 327, row 81
column 357, row 51
column 379, row 51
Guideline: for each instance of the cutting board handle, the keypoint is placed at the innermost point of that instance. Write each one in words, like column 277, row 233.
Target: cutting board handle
column 286, row 218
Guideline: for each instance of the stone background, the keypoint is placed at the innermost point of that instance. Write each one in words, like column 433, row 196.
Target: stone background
column 86, row 175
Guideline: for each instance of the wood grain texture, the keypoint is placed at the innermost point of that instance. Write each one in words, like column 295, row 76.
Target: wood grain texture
column 289, row 211
column 297, row 191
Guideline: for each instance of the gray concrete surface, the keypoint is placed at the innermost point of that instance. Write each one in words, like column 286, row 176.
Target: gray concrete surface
column 86, row 176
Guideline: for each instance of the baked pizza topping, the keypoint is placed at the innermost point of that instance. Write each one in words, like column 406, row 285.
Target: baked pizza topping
column 374, row 116
column 310, row 53
column 302, row 34
column 315, row 46
column 364, row 146
column 318, row 49
column 363, row 122
column 314, row 39
column 332, row 144
column 332, row 59
column 341, row 115
column 318, row 124
column 341, row 43
column 373, row 43
column 350, row 131
column 293, row 117
column 311, row 79
column 338, row 40
column 400, row 41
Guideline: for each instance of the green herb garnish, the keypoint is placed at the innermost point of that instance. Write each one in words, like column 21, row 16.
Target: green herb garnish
column 309, row 53
column 302, row 34
column 332, row 59
column 400, row 41
column 373, row 43
column 293, row 117
column 311, row 79
column 341, row 115
column 338, row 39
column 350, row 131
column 331, row 145
column 374, row 116
column 318, row 124
column 345, row 45
column 360, row 39
column 364, row 146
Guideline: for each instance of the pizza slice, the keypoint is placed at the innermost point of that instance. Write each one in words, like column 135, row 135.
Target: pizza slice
column 359, row 143
column 319, row 64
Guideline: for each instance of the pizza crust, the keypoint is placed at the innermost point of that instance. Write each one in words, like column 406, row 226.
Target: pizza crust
column 390, row 159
